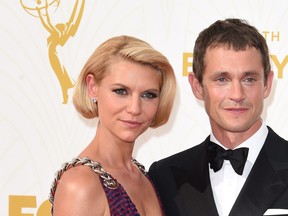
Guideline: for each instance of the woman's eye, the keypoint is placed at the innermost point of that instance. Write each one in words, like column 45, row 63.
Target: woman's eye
column 150, row 95
column 120, row 91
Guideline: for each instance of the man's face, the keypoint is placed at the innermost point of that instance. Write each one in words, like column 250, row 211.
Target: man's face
column 233, row 89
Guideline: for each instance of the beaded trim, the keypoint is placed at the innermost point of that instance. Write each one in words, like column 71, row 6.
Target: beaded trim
column 108, row 180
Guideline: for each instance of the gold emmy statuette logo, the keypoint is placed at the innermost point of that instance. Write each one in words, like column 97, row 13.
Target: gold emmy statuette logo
column 59, row 34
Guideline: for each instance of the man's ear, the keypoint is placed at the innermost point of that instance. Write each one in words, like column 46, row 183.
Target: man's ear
column 196, row 86
column 268, row 85
column 91, row 86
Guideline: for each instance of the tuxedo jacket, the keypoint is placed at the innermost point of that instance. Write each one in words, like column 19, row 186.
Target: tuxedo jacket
column 183, row 182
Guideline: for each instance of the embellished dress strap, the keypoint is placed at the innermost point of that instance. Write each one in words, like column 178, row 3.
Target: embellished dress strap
column 118, row 199
column 106, row 179
column 140, row 166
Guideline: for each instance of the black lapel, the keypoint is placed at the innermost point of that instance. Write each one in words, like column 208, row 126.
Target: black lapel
column 267, row 179
column 195, row 195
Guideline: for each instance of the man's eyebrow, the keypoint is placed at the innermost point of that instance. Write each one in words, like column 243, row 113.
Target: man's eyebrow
column 251, row 73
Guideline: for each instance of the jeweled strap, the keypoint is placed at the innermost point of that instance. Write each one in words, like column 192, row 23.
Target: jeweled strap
column 108, row 180
column 139, row 165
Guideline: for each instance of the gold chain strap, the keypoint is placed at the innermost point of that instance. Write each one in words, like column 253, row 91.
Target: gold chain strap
column 108, row 180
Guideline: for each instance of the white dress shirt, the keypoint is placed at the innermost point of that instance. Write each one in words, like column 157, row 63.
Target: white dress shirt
column 226, row 183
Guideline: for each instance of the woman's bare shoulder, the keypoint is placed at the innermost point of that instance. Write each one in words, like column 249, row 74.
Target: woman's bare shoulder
column 79, row 192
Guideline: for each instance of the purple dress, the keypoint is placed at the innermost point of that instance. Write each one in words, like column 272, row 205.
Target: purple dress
column 119, row 202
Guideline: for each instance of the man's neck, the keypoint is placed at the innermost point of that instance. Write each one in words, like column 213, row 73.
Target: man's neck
column 231, row 139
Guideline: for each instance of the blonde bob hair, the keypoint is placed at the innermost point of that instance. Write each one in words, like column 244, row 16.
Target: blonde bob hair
column 134, row 50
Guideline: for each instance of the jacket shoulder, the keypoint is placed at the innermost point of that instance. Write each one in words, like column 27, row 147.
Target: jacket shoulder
column 186, row 156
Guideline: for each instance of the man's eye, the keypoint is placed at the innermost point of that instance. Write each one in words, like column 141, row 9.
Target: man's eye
column 150, row 95
column 120, row 91
column 250, row 79
column 222, row 79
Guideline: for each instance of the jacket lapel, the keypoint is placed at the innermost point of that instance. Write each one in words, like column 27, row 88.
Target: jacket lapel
column 265, row 182
column 195, row 195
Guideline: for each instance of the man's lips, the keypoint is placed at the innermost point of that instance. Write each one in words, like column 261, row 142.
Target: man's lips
column 236, row 109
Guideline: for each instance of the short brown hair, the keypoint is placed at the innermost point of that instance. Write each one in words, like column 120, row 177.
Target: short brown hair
column 233, row 33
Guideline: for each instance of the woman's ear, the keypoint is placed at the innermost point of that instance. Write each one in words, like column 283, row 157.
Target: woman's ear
column 196, row 86
column 91, row 86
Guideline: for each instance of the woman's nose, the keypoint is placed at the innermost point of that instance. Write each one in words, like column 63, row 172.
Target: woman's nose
column 134, row 105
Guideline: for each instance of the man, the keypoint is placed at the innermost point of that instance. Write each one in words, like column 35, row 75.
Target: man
column 232, row 75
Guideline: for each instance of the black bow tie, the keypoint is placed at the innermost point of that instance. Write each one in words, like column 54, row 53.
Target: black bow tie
column 217, row 155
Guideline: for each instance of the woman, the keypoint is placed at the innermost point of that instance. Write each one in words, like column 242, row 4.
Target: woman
column 130, row 87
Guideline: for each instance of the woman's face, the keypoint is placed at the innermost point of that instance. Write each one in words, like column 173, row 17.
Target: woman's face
column 128, row 99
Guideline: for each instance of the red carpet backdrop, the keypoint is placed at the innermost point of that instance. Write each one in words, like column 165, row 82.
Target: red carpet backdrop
column 44, row 45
